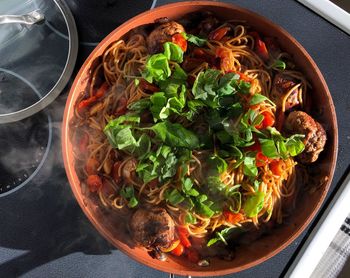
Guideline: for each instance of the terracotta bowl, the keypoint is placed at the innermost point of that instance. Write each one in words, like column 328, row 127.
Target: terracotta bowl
column 308, row 204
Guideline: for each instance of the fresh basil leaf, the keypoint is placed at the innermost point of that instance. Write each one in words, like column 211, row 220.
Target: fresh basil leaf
column 174, row 197
column 249, row 167
column 133, row 202
column 173, row 52
column 243, row 87
column 220, row 236
column 226, row 84
column 218, row 163
column 157, row 68
column 268, row 148
column 128, row 194
column 140, row 105
column 136, row 82
column 179, row 73
column 295, row 145
column 215, row 184
column 204, row 210
column 158, row 108
column 256, row 185
column 194, row 39
column 254, row 204
column 175, row 135
column 190, row 219
column 206, row 84
column 258, row 98
column 279, row 64
column 213, row 241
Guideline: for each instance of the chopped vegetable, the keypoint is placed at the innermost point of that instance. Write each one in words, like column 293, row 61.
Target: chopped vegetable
column 94, row 183
column 178, row 250
column 218, row 34
column 183, row 236
column 254, row 204
column 277, row 167
column 233, row 218
column 180, row 40
column 194, row 39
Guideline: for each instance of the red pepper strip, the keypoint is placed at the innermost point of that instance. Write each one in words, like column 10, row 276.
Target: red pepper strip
column 87, row 102
column 183, row 236
column 232, row 217
column 218, row 34
column 260, row 47
column 180, row 41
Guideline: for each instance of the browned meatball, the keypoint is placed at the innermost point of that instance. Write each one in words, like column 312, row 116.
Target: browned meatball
column 162, row 34
column 152, row 228
column 281, row 85
column 315, row 136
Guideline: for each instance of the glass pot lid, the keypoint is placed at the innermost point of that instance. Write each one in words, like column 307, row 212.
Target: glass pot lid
column 38, row 50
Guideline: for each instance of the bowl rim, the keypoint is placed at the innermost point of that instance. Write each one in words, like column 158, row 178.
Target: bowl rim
column 70, row 171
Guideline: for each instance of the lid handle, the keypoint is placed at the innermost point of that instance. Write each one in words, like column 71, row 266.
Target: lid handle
column 28, row 19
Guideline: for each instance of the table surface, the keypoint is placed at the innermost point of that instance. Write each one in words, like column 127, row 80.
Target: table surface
column 43, row 230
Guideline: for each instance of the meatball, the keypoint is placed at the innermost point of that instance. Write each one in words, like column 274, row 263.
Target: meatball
column 162, row 34
column 152, row 228
column 315, row 136
column 281, row 85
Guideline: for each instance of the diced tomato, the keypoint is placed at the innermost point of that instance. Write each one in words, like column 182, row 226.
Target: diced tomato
column 144, row 85
column 261, row 159
column 83, row 143
column 218, row 34
column 94, row 182
column 115, row 171
column 268, row 120
column 122, row 106
column 91, row 100
column 260, row 47
column 225, row 59
column 232, row 217
column 91, row 166
column 193, row 255
column 179, row 250
column 183, row 236
column 180, row 41
column 277, row 167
